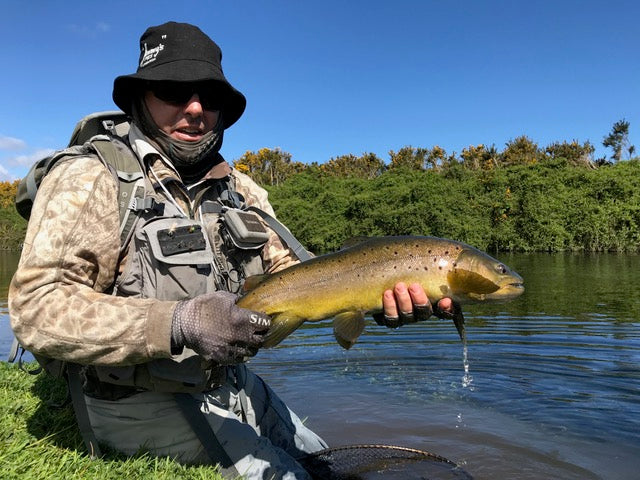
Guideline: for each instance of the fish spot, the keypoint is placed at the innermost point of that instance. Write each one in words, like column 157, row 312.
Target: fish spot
column 446, row 252
column 426, row 269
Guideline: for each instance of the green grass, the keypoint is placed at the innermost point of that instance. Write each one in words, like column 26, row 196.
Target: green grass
column 40, row 441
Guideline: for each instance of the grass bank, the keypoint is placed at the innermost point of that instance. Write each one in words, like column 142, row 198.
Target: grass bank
column 39, row 441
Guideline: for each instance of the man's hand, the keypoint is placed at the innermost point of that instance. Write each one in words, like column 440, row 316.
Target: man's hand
column 404, row 305
column 214, row 327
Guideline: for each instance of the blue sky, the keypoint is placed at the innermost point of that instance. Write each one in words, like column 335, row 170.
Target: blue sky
column 327, row 78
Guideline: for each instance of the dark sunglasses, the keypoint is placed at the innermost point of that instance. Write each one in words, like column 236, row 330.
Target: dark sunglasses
column 180, row 93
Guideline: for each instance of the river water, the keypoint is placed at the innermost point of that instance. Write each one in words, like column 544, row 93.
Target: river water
column 555, row 389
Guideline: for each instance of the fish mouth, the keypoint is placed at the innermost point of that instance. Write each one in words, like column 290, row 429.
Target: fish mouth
column 506, row 292
column 515, row 286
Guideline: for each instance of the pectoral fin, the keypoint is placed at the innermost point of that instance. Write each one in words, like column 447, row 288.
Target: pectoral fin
column 466, row 281
column 281, row 327
column 347, row 327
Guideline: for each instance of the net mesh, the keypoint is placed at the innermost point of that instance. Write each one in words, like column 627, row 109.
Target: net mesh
column 365, row 462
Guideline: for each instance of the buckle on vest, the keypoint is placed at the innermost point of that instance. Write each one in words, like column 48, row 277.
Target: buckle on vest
column 147, row 203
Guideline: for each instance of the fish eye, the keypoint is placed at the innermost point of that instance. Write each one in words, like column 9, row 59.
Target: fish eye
column 501, row 268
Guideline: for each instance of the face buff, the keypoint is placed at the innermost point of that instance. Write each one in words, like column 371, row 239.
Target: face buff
column 191, row 159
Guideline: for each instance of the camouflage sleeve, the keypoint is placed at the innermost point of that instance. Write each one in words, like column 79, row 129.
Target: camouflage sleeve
column 275, row 255
column 70, row 254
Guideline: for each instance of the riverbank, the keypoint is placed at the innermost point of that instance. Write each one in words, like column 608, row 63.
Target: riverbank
column 40, row 441
column 547, row 206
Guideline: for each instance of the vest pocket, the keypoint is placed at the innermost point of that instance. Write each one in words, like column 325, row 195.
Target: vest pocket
column 170, row 259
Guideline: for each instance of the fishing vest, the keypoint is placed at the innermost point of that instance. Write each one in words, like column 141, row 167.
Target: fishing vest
column 168, row 256
column 174, row 257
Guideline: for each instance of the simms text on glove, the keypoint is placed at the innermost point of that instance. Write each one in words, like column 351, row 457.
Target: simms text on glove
column 214, row 327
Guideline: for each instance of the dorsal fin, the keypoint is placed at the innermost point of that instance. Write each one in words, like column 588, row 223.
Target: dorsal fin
column 253, row 281
column 353, row 241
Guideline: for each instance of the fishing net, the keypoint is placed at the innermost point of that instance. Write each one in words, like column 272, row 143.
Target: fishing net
column 366, row 462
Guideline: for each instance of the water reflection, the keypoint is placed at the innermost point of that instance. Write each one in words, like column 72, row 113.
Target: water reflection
column 8, row 264
column 555, row 376
column 579, row 284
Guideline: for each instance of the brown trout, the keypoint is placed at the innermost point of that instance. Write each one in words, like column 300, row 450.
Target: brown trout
column 347, row 284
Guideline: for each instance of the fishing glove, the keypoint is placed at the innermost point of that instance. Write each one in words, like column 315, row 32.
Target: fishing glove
column 420, row 313
column 214, row 327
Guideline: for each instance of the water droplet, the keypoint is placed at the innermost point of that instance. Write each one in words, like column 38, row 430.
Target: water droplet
column 466, row 378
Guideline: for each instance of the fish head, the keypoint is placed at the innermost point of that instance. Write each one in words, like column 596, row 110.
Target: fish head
column 477, row 277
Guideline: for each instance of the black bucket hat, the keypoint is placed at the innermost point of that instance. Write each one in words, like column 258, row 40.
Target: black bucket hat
column 179, row 52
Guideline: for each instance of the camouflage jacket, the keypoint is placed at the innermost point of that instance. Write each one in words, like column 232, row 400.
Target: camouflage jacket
column 70, row 257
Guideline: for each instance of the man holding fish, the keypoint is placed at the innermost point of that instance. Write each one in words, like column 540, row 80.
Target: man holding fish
column 154, row 324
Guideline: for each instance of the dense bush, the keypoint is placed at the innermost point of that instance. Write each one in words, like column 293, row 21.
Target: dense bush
column 546, row 206
column 551, row 205
column 12, row 225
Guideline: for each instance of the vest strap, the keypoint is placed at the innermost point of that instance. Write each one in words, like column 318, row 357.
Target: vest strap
column 80, row 409
column 284, row 233
column 201, row 427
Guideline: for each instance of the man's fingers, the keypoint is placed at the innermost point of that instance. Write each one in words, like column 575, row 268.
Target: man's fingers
column 389, row 317
column 445, row 308
column 403, row 298
column 389, row 304
column 418, row 295
column 410, row 304
column 446, row 304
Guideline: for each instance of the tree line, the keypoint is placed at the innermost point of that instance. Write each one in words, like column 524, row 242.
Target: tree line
column 274, row 166
column 12, row 226
column 523, row 198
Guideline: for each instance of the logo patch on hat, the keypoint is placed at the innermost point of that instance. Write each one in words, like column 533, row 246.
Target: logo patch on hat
column 150, row 55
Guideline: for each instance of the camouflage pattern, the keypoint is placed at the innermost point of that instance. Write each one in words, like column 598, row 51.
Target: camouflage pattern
column 69, row 258
column 57, row 303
